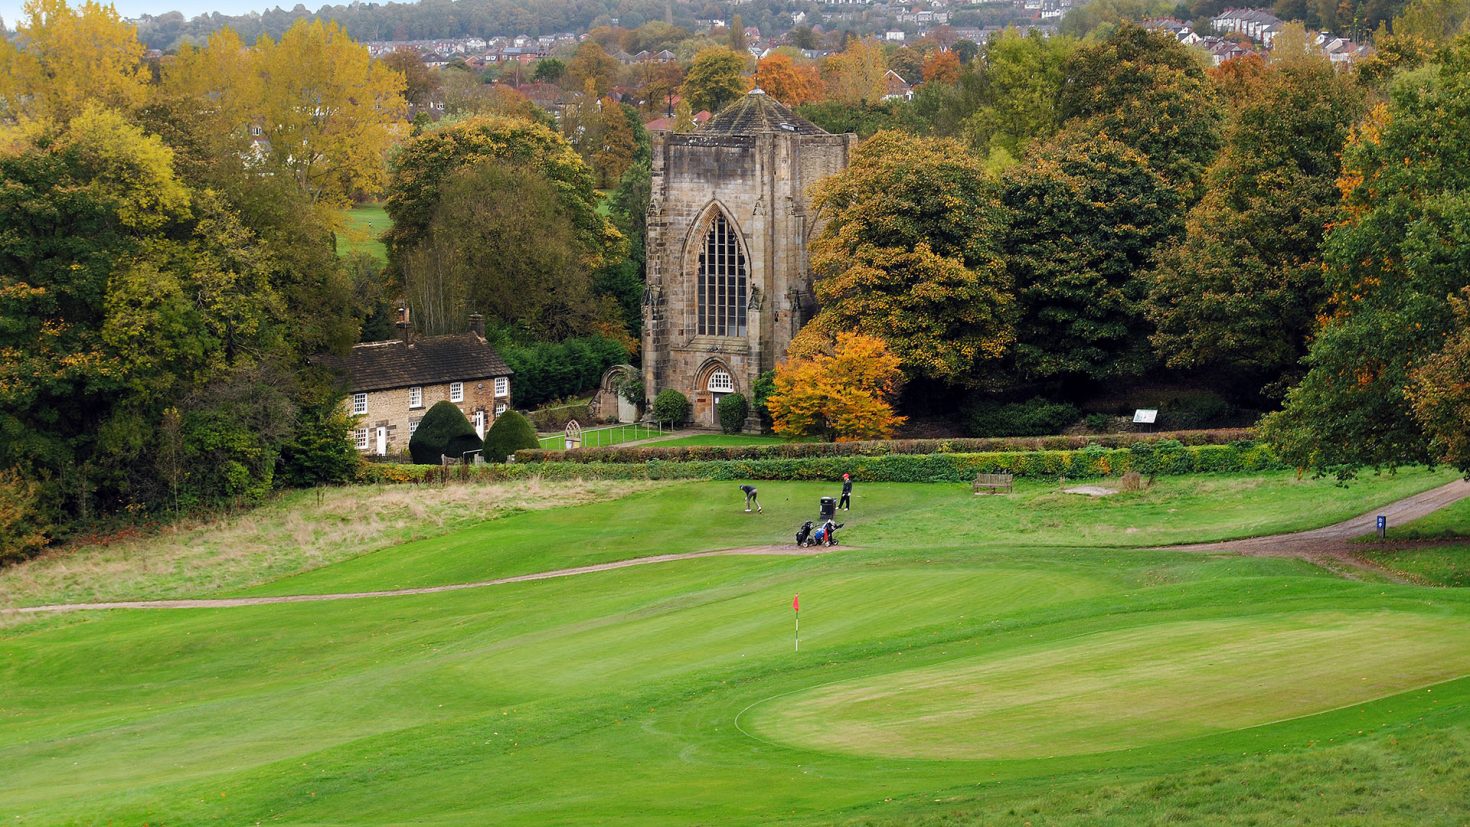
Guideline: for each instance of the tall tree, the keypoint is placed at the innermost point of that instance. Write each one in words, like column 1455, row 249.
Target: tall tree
column 1242, row 290
column 781, row 78
column 419, row 83
column 1143, row 88
column 330, row 112
column 444, row 245
column 714, row 79
column 857, row 75
column 1393, row 258
column 908, row 254
column 1086, row 214
column 592, row 65
column 69, row 58
column 1021, row 78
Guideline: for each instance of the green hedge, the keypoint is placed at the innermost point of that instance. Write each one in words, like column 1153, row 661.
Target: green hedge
column 1163, row 458
column 799, row 450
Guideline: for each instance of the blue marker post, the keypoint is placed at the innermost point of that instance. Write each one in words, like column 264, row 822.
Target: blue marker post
column 1382, row 526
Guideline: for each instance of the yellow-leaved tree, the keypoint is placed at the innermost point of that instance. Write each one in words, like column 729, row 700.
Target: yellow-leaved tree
column 857, row 74
column 330, row 112
column 70, row 57
column 842, row 390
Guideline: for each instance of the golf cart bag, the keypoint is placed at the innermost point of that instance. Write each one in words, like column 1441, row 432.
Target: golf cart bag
column 804, row 535
column 827, row 534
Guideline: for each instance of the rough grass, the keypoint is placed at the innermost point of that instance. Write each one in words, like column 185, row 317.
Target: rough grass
column 297, row 532
column 1445, row 565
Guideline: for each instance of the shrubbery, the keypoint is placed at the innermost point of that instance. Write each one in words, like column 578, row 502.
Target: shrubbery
column 510, row 433
column 1167, row 458
column 798, row 450
column 1035, row 417
column 671, row 407
column 24, row 529
column 555, row 370
column 733, row 410
column 443, row 431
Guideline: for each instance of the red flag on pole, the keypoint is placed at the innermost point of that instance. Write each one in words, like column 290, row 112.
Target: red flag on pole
column 796, row 603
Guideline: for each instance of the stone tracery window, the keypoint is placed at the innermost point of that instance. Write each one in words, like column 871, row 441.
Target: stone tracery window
column 720, row 304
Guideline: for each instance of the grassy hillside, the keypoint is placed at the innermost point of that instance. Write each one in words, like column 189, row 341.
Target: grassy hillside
column 362, row 228
column 963, row 660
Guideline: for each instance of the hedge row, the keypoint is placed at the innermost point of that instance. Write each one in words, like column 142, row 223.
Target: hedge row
column 1167, row 458
column 799, row 450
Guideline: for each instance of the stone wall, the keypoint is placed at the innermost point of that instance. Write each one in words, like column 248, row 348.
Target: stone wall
column 762, row 184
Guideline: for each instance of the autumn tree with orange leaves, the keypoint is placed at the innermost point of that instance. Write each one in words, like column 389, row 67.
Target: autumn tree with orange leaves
column 841, row 390
column 781, row 78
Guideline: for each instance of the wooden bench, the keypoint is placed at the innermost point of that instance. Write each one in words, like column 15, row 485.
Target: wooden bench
column 994, row 483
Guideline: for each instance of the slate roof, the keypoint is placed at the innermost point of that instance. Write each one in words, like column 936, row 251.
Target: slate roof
column 758, row 112
column 432, row 360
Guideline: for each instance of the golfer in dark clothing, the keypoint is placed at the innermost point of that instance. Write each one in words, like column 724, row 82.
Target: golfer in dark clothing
column 750, row 498
column 846, row 502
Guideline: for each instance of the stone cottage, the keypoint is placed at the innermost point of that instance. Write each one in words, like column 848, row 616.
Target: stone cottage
column 392, row 384
column 728, row 226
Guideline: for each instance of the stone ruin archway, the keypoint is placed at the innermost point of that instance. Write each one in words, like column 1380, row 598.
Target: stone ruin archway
column 608, row 405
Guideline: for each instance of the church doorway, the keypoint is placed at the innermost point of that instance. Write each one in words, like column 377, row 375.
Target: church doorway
column 715, row 384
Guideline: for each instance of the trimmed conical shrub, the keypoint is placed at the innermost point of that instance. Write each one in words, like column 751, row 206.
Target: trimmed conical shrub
column 443, row 431
column 510, row 433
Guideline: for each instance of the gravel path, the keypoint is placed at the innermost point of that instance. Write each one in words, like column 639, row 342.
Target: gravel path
column 1334, row 546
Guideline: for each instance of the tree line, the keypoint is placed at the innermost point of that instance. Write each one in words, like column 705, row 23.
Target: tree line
column 167, row 265
column 1280, row 231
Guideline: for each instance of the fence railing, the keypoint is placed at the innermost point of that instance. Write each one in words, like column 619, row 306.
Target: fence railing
column 606, row 436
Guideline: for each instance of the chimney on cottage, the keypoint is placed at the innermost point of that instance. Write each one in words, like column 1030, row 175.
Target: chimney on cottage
column 477, row 324
column 405, row 329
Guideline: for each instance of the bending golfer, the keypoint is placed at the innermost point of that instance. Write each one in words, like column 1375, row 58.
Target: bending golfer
column 846, row 502
column 750, row 498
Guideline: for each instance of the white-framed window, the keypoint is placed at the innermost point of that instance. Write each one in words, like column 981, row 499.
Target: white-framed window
column 500, row 409
column 502, row 386
column 359, row 404
column 456, row 391
column 415, row 397
column 362, row 438
column 413, row 424
column 721, row 382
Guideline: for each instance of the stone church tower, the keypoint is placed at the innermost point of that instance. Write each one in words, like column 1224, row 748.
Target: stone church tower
column 728, row 226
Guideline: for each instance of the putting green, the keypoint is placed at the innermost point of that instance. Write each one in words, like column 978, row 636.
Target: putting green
column 1115, row 690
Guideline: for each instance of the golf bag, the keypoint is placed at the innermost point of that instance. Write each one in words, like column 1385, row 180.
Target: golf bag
column 827, row 534
column 804, row 535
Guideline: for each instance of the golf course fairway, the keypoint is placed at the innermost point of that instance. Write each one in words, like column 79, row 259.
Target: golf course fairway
column 1032, row 658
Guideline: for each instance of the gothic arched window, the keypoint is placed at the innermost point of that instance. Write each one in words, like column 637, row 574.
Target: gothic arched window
column 722, row 282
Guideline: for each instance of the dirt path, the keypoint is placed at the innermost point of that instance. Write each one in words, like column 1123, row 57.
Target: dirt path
column 1333, row 547
column 225, row 602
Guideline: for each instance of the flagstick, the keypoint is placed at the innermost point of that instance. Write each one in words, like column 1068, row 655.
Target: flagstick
column 798, row 630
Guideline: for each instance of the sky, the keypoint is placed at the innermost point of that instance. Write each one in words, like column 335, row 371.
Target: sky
column 10, row 9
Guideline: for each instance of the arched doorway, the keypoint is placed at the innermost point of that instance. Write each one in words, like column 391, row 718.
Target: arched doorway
column 713, row 383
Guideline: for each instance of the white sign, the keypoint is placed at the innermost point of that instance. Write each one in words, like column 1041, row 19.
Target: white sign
column 1144, row 416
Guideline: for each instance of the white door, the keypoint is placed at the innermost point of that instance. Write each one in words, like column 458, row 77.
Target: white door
column 480, row 424
column 382, row 441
